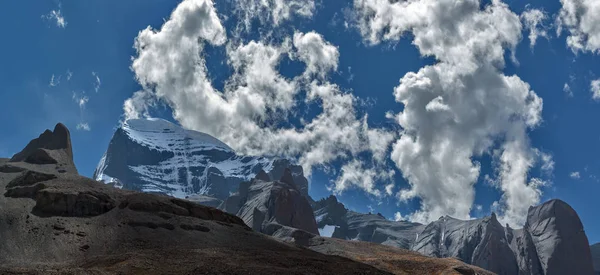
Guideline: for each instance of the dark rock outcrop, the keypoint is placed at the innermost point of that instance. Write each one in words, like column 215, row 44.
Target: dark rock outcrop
column 480, row 242
column 281, row 167
column 538, row 248
column 364, row 227
column 559, row 239
column 37, row 151
column 595, row 249
column 264, row 203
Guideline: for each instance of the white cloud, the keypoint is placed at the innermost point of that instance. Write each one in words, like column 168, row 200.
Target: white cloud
column 575, row 175
column 83, row 126
column 56, row 15
column 69, row 75
column 272, row 12
column 460, row 108
column 533, row 20
column 398, row 217
column 389, row 189
column 81, row 101
column 567, row 90
column 355, row 175
column 54, row 81
column 547, row 161
column 97, row 82
column 581, row 18
column 319, row 55
column 170, row 66
column 595, row 89
column 350, row 74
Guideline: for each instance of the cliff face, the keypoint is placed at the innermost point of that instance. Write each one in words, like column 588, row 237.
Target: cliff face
column 560, row 241
column 266, row 205
column 552, row 242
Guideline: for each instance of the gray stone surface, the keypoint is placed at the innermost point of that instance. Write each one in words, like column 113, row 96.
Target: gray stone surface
column 552, row 242
column 595, row 249
column 261, row 204
column 559, row 238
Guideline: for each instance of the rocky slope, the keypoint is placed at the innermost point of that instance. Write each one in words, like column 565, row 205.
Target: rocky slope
column 157, row 156
column 53, row 221
column 275, row 203
column 552, row 242
column 375, row 228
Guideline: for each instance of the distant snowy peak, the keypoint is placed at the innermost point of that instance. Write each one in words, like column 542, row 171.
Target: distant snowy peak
column 157, row 156
column 163, row 135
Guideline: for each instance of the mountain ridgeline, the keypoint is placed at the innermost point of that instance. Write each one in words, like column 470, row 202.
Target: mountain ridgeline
column 55, row 221
column 271, row 196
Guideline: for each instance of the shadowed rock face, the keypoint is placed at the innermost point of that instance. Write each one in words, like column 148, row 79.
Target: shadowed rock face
column 39, row 150
column 595, row 249
column 552, row 242
column 261, row 203
column 480, row 242
column 559, row 238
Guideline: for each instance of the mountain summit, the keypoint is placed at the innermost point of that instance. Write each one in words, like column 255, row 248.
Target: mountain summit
column 157, row 156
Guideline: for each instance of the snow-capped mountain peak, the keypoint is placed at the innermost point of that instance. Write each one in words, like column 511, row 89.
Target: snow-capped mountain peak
column 155, row 155
column 163, row 135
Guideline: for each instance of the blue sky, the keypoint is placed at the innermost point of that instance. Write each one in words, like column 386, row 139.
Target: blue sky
column 91, row 58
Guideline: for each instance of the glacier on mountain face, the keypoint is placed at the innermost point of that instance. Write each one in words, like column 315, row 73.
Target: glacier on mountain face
column 157, row 156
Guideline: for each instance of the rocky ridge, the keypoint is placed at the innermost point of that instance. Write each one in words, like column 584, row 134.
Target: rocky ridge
column 54, row 221
column 541, row 247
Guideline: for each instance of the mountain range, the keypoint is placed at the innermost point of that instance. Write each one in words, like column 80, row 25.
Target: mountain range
column 177, row 201
column 552, row 241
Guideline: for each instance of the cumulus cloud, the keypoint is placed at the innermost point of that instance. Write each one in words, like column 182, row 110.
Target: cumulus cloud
column 355, row 175
column 249, row 112
column 533, row 20
column 69, row 75
column 460, row 108
column 595, row 89
column 56, row 16
column 581, row 19
column 272, row 12
column 575, row 175
column 319, row 56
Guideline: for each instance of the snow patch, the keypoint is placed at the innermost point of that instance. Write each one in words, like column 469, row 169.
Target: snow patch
column 327, row 231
